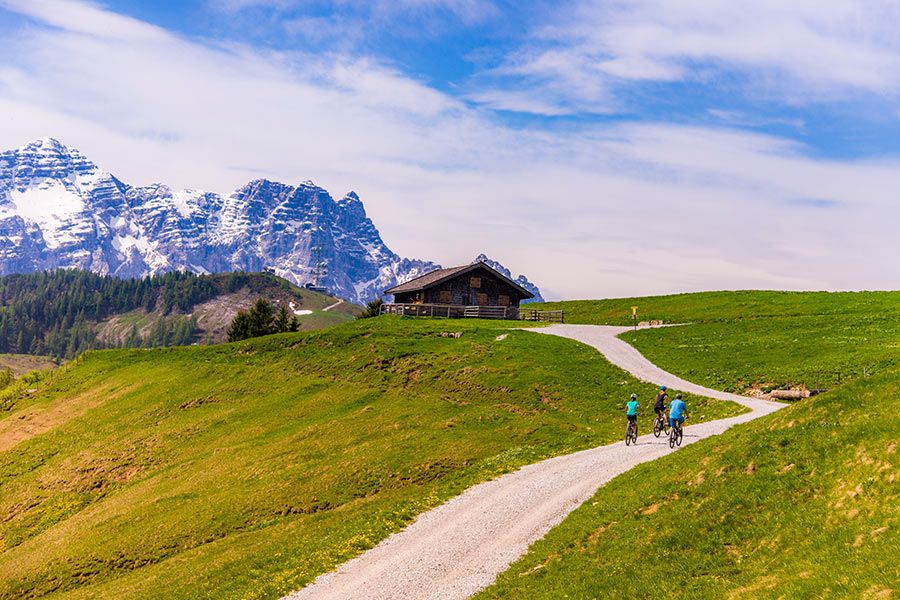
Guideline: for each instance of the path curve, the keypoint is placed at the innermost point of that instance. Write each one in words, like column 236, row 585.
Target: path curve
column 457, row 549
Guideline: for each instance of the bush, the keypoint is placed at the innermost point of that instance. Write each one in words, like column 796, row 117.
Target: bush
column 373, row 309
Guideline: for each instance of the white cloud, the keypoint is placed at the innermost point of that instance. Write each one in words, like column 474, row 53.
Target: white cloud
column 585, row 210
column 801, row 51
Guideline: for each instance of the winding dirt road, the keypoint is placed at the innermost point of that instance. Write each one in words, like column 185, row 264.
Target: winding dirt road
column 459, row 548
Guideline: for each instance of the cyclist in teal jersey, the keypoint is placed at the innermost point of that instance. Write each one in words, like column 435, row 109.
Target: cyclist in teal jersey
column 631, row 411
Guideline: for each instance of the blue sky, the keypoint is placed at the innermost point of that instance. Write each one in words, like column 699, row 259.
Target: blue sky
column 647, row 145
column 451, row 45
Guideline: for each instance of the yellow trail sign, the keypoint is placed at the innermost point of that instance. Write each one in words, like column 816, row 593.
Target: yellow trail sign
column 634, row 310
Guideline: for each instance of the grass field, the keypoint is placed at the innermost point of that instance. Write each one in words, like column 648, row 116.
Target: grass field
column 707, row 307
column 245, row 470
column 800, row 504
column 767, row 340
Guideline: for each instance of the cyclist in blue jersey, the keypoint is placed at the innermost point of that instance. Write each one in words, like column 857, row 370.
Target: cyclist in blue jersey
column 677, row 411
column 631, row 411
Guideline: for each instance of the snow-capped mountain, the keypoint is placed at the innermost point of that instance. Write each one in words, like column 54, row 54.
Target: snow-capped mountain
column 58, row 209
column 521, row 279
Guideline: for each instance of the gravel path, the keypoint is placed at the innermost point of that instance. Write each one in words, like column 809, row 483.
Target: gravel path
column 459, row 548
column 335, row 305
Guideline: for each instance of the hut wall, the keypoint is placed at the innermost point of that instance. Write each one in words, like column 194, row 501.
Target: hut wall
column 409, row 298
column 475, row 288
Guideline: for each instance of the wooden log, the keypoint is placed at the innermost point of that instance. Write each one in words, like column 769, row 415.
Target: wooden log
column 789, row 394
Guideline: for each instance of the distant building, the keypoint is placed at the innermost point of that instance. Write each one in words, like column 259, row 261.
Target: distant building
column 469, row 290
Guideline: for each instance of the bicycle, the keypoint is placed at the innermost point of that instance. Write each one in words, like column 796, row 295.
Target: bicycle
column 631, row 434
column 675, row 435
column 662, row 424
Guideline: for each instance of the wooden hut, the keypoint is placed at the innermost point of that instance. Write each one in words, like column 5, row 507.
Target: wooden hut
column 474, row 290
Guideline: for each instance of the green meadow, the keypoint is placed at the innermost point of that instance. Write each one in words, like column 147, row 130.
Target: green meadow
column 245, row 470
column 800, row 504
column 737, row 341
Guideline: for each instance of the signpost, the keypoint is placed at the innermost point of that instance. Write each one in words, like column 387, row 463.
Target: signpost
column 634, row 316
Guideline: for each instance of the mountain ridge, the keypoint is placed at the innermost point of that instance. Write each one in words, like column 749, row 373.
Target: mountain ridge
column 58, row 209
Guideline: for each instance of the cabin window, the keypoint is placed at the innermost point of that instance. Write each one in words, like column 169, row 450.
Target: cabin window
column 475, row 282
column 446, row 297
column 481, row 299
column 503, row 300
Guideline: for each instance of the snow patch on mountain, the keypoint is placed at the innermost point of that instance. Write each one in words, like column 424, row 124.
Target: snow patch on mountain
column 52, row 208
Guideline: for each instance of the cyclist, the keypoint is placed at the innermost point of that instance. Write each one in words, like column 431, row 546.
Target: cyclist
column 677, row 411
column 631, row 411
column 660, row 407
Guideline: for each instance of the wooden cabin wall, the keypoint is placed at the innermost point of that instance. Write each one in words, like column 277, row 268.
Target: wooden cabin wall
column 459, row 290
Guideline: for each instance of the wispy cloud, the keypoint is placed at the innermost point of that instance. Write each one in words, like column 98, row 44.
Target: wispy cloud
column 588, row 209
column 813, row 203
column 803, row 51
column 351, row 19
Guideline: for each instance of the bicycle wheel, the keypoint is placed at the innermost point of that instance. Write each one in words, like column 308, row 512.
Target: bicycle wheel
column 678, row 437
column 666, row 426
column 656, row 428
column 628, row 435
column 672, row 439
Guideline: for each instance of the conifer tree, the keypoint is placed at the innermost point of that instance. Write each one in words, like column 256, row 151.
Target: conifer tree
column 282, row 322
column 240, row 327
column 261, row 318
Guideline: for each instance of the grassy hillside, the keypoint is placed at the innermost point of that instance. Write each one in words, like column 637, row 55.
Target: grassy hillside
column 245, row 470
column 803, row 503
column 64, row 312
column 742, row 340
column 211, row 318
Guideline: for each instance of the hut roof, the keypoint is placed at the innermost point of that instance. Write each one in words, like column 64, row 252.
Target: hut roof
column 433, row 278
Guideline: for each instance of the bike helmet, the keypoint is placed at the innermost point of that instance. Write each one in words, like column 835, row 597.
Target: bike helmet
column 678, row 396
column 634, row 396
column 662, row 387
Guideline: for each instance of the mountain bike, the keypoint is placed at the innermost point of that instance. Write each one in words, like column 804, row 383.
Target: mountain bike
column 675, row 435
column 661, row 425
column 631, row 434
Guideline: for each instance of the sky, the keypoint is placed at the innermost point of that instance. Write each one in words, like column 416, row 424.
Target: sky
column 604, row 148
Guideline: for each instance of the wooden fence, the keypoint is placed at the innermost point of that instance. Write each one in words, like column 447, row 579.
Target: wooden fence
column 548, row 316
column 451, row 311
column 456, row 311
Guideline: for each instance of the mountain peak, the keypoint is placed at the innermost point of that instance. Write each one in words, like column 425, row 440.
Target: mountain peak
column 47, row 144
column 350, row 199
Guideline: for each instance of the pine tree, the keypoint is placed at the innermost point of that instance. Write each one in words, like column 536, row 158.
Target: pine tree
column 240, row 327
column 282, row 322
column 261, row 318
